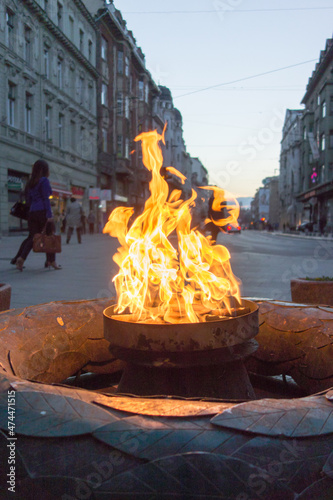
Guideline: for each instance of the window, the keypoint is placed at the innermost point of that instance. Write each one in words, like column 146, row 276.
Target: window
column 81, row 90
column 9, row 29
column 126, row 66
column 322, row 142
column 126, row 107
column 323, row 109
column 72, row 81
column 48, row 111
column 59, row 73
column 119, row 146
column 331, row 139
column 318, row 99
column 60, row 130
column 104, row 48
column 141, row 90
column 90, row 45
column 27, row 44
column 59, row 14
column 82, row 140
column 81, row 36
column 120, row 61
column 119, row 104
column 126, row 148
column 146, row 92
column 304, row 133
column 46, row 63
column 28, row 112
column 104, row 97
column 72, row 134
column 71, row 28
column 90, row 97
column 11, row 104
column 104, row 140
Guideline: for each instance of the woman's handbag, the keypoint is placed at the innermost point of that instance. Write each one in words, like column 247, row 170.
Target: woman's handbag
column 46, row 243
column 20, row 210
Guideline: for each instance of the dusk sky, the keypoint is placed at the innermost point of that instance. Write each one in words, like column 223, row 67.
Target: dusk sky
column 209, row 52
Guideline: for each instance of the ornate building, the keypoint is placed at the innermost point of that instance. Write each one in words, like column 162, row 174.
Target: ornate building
column 316, row 182
column 290, row 169
column 47, row 99
column 124, row 108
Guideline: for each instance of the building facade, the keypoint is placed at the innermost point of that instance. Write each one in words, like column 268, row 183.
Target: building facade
column 126, row 92
column 316, row 179
column 290, row 169
column 47, row 100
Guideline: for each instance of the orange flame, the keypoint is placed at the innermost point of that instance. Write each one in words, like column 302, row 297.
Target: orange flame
column 157, row 282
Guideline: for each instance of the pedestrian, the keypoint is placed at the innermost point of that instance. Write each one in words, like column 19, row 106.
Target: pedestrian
column 63, row 221
column 73, row 218
column 91, row 221
column 38, row 191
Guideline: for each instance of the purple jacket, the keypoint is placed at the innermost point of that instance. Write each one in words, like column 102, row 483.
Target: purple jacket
column 38, row 197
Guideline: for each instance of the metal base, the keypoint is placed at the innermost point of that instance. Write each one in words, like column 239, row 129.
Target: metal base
column 223, row 381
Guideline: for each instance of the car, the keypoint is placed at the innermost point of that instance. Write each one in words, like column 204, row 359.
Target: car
column 304, row 227
column 232, row 228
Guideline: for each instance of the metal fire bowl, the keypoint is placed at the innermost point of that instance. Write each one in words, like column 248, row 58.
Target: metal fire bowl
column 185, row 344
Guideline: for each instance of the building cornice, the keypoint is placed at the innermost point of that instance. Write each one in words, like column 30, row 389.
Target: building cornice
column 326, row 57
column 42, row 16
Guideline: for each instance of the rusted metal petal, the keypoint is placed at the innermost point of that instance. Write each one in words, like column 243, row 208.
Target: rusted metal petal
column 328, row 467
column 317, row 363
column 265, row 307
column 322, row 489
column 328, row 329
column 50, row 415
column 275, row 346
column 163, row 407
column 299, row 461
column 151, row 438
column 315, row 338
column 291, row 319
column 53, row 488
column 303, row 417
column 196, row 475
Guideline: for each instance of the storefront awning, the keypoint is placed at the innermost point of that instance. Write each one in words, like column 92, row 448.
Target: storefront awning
column 61, row 193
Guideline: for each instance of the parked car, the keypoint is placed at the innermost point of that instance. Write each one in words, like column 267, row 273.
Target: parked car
column 304, row 227
column 232, row 228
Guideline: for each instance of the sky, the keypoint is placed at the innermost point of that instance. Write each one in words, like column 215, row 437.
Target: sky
column 234, row 67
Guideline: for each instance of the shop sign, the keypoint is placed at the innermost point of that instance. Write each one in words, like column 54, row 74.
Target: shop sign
column 313, row 146
column 118, row 197
column 106, row 194
column 94, row 193
column 14, row 183
column 78, row 191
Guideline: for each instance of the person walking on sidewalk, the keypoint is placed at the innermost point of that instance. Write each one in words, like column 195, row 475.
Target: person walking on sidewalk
column 40, row 214
column 73, row 218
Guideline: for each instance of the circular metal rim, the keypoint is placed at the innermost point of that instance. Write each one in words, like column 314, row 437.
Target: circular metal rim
column 178, row 338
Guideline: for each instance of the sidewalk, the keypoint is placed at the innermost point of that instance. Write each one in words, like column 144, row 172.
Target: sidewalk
column 303, row 236
column 86, row 273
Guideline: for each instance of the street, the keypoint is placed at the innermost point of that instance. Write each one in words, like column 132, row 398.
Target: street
column 264, row 262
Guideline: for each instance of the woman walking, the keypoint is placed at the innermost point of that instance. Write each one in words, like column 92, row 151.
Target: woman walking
column 40, row 214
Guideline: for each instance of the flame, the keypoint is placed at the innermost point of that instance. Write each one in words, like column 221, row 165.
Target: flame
column 158, row 282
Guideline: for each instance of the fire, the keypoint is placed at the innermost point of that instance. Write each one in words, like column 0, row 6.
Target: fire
column 158, row 282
